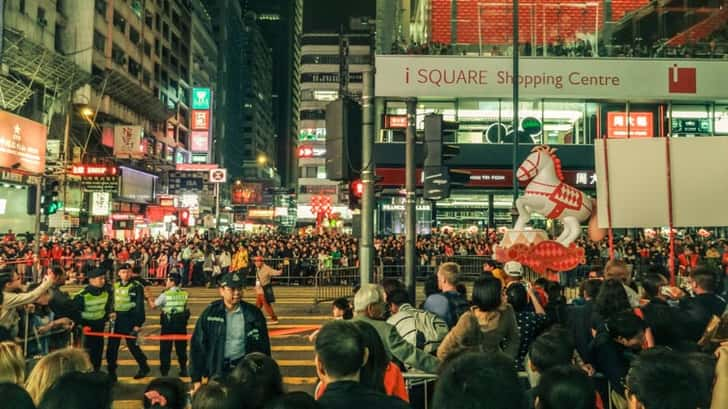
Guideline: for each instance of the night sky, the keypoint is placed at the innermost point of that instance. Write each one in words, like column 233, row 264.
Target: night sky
column 329, row 15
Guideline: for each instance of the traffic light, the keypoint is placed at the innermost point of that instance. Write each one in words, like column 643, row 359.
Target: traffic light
column 438, row 179
column 356, row 191
column 343, row 139
column 183, row 216
column 49, row 199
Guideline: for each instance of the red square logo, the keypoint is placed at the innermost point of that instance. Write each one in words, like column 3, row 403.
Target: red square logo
column 682, row 80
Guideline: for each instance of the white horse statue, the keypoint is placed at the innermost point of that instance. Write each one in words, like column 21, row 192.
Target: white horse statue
column 548, row 195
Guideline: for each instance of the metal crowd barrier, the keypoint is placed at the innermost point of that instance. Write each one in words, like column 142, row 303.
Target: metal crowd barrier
column 334, row 283
column 419, row 388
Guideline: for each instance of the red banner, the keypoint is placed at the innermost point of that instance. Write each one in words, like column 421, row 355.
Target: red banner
column 22, row 143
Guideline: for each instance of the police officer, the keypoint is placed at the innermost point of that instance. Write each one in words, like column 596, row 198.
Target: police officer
column 94, row 302
column 225, row 332
column 129, row 309
column 175, row 314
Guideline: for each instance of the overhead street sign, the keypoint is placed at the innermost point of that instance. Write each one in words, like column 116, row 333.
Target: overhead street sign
column 100, row 183
column 218, row 175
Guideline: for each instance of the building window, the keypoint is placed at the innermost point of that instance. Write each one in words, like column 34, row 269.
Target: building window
column 147, row 49
column 148, row 18
column 21, row 6
column 42, row 17
column 134, row 36
column 99, row 41
column 157, row 46
column 117, row 54
column 311, row 171
column 157, row 21
column 321, row 172
column 147, row 78
column 119, row 21
column 134, row 68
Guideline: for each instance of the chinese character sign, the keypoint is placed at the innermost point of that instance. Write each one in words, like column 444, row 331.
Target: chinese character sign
column 100, row 204
column 200, row 120
column 128, row 141
column 201, row 98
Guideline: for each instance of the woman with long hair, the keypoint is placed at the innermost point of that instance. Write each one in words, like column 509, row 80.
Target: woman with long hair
column 53, row 366
column 489, row 326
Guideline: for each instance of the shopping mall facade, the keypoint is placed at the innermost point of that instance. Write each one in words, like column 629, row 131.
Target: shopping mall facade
column 567, row 103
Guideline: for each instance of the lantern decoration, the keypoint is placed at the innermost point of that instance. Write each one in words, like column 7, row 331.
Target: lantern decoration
column 321, row 207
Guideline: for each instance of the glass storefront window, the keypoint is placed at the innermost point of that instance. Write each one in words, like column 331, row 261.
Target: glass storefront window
column 691, row 120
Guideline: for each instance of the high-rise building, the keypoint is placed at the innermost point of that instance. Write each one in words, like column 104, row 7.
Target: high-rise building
column 203, row 73
column 255, row 152
column 280, row 23
column 321, row 67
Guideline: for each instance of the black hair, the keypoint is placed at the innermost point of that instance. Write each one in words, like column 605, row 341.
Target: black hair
column 173, row 390
column 647, row 375
column 260, row 375
column 704, row 278
column 625, row 325
column 6, row 276
column 591, row 288
column 517, row 296
column 344, row 305
column 549, row 350
column 391, row 284
column 704, row 367
column 612, row 298
column 15, row 397
column 216, row 395
column 372, row 373
column 340, row 348
column 398, row 297
column 294, row 400
column 431, row 285
column 565, row 386
column 651, row 283
column 78, row 390
column 471, row 379
column 487, row 294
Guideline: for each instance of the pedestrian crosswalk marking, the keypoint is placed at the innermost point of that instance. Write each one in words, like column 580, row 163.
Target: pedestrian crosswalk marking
column 288, row 380
column 274, row 348
column 281, row 362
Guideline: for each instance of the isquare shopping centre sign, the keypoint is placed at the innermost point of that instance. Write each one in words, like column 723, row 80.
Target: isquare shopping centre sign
column 593, row 78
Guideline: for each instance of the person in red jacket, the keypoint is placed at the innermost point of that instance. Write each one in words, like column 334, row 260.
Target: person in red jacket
column 688, row 260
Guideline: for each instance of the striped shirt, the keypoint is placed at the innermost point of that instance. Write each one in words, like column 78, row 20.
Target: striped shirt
column 404, row 322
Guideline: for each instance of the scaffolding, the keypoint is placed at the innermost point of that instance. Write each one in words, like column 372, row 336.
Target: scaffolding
column 27, row 64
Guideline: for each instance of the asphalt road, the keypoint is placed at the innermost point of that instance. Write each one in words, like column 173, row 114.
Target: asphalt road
column 289, row 340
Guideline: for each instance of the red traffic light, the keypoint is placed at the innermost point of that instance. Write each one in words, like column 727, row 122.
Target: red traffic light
column 357, row 188
column 184, row 218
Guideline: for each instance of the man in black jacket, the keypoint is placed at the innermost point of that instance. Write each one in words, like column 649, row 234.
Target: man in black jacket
column 225, row 332
column 700, row 309
column 340, row 356
column 63, row 307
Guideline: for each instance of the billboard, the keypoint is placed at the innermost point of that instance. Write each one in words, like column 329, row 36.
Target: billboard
column 246, row 193
column 200, row 120
column 100, row 204
column 200, row 98
column 22, row 143
column 492, row 77
column 128, row 141
column 199, row 141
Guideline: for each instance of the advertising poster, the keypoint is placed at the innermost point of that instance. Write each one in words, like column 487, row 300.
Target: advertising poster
column 22, row 143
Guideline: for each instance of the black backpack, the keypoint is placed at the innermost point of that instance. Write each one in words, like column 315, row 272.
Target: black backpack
column 457, row 305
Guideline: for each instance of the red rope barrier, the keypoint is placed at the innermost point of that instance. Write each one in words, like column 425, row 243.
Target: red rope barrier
column 671, row 262
column 186, row 337
column 609, row 203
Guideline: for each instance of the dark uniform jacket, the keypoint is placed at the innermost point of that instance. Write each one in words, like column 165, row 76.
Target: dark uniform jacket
column 63, row 305
column 207, row 350
column 353, row 395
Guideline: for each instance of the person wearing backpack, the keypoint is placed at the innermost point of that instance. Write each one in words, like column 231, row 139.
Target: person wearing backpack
column 422, row 329
column 449, row 304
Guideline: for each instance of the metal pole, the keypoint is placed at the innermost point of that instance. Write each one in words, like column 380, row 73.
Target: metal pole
column 366, row 243
column 217, row 208
column 36, row 241
column 515, row 104
column 410, row 206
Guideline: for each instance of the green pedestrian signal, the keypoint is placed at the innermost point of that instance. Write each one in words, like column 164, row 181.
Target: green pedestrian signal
column 53, row 207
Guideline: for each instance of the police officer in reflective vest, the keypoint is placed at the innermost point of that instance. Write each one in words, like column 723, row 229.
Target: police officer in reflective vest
column 129, row 309
column 94, row 302
column 175, row 314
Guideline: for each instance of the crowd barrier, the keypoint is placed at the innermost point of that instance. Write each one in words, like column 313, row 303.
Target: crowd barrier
column 333, row 283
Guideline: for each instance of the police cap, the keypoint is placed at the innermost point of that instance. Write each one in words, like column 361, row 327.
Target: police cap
column 96, row 272
column 232, row 280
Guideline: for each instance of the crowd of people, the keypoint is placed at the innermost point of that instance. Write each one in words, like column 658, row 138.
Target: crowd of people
column 629, row 340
